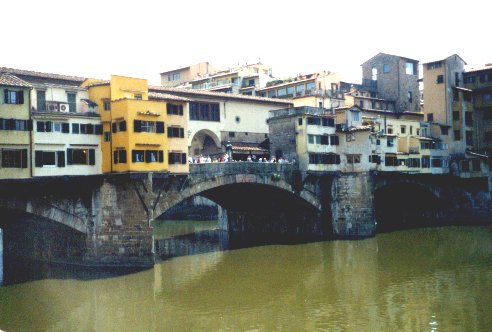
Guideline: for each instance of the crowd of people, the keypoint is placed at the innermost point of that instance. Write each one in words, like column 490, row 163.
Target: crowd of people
column 201, row 159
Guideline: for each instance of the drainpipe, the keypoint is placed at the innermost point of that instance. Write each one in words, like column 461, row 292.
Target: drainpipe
column 31, row 133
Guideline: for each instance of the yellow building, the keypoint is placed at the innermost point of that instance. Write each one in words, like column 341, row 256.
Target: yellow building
column 140, row 133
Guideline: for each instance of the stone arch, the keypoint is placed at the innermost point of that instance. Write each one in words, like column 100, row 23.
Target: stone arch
column 205, row 142
column 172, row 198
column 65, row 213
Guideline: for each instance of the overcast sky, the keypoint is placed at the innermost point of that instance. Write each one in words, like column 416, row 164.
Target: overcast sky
column 144, row 38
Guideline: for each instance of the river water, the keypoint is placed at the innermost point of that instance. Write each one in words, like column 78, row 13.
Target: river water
column 430, row 279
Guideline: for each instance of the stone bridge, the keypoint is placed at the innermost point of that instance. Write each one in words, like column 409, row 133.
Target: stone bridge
column 106, row 220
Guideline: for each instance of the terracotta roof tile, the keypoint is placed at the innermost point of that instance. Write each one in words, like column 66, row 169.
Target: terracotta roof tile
column 204, row 93
column 166, row 96
column 11, row 80
column 27, row 74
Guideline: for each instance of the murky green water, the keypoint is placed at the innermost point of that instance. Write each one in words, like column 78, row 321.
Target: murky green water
column 436, row 279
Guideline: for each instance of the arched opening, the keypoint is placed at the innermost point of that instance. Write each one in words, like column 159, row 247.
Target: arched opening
column 249, row 214
column 406, row 205
column 32, row 243
column 206, row 143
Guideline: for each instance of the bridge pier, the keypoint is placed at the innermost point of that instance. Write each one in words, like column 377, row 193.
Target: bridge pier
column 352, row 205
column 120, row 232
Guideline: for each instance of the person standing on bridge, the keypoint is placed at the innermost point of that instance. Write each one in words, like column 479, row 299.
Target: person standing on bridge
column 229, row 150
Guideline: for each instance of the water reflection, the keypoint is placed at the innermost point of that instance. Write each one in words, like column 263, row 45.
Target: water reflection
column 403, row 281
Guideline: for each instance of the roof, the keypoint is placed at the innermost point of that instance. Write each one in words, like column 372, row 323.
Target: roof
column 247, row 147
column 11, row 80
column 90, row 102
column 38, row 77
column 190, row 93
column 166, row 96
column 386, row 54
column 443, row 59
column 485, row 68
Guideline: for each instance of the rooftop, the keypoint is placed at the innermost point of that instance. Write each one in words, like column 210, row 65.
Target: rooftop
column 11, row 80
column 205, row 93
column 34, row 76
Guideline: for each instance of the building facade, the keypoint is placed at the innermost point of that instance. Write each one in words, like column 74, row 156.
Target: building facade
column 393, row 78
column 15, row 126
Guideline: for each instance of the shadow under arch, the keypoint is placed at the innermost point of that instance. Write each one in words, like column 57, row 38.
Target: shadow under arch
column 404, row 205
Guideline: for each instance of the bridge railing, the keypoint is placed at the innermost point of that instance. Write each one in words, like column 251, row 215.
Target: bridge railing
column 241, row 168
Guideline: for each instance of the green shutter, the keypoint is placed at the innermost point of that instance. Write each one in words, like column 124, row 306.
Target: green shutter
column 38, row 158
column 65, row 128
column 92, row 157
column 24, row 160
column 69, row 156
column 159, row 127
column 115, row 156
column 61, row 158
column 161, row 156
column 137, row 126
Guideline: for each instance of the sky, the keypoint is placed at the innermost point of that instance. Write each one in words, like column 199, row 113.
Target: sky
column 146, row 37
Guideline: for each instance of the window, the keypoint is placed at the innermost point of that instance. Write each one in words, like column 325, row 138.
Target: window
column 440, row 79
column 456, row 95
column 389, row 129
column 138, row 96
column 469, row 137
column 390, row 142
column 49, row 158
column 456, row 115
column 251, row 82
column 457, row 135
column 173, row 109
column 403, row 129
column 425, row 162
column 177, row 158
column 13, row 97
column 469, row 119
column 107, row 136
column 271, row 93
column 353, row 158
column 334, row 140
column 434, row 65
column 320, row 104
column 430, row 117
column 436, row 162
column 390, row 160
column 487, row 97
column 475, row 163
column 445, row 131
column 375, row 159
column 327, row 159
column 310, row 87
column 281, row 92
column 81, row 157
column 290, row 91
column 232, row 134
column 107, row 105
column 361, row 104
column 174, row 76
column 238, row 119
column 467, row 96
column 409, row 96
column 147, row 126
column 205, row 112
column 374, row 73
column 44, row 126
column 13, row 124
column 72, row 102
column 148, row 156
column 14, row 158
column 299, row 121
column 386, row 68
column 465, row 166
column 41, row 100
column 410, row 68
column 355, row 116
column 75, row 128
column 119, row 156
column 175, row 132
column 469, row 79
column 300, row 89
column 328, row 122
column 314, row 121
column 413, row 162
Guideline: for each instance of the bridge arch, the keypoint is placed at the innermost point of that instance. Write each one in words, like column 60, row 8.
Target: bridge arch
column 207, row 183
column 407, row 202
column 205, row 142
